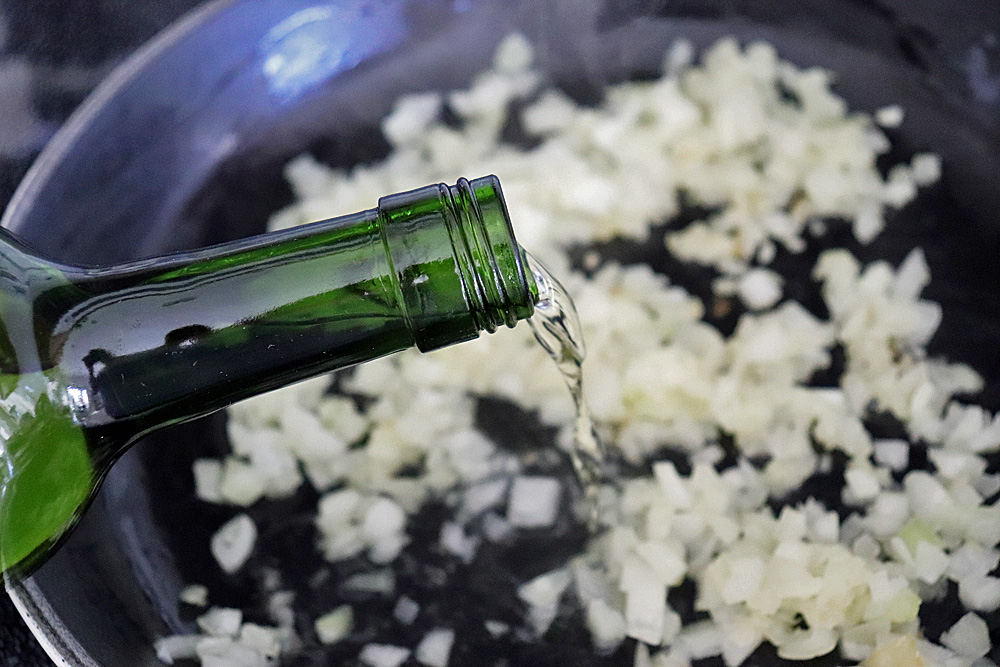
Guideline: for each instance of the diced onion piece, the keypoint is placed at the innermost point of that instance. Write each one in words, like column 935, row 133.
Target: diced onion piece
column 760, row 288
column 383, row 655
column 666, row 560
column 194, row 594
column 208, row 480
column 534, row 502
column 496, row 628
column 890, row 116
column 970, row 636
column 646, row 612
column 900, row 652
column 893, row 454
column 672, row 485
column 221, row 621
column 542, row 594
column 926, row 168
column 177, row 647
column 980, row 593
column 335, row 625
column 456, row 542
column 434, row 649
column 225, row 652
column 606, row 625
column 377, row 581
column 806, row 644
column 264, row 640
column 233, row 543
column 406, row 610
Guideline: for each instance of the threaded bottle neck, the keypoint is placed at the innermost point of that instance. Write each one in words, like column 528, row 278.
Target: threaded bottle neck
column 458, row 266
column 494, row 270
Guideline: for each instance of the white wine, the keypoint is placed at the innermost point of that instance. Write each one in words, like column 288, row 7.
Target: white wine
column 556, row 326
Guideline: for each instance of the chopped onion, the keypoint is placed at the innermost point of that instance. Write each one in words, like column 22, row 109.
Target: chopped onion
column 772, row 151
column 406, row 610
column 233, row 543
column 383, row 655
column 335, row 625
column 542, row 595
column 194, row 594
column 534, row 502
column 221, row 621
column 177, row 647
column 435, row 648
column 970, row 636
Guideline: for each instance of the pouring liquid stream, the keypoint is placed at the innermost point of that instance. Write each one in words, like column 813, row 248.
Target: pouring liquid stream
column 557, row 329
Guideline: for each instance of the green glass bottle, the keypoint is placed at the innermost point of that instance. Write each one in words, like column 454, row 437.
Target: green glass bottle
column 92, row 359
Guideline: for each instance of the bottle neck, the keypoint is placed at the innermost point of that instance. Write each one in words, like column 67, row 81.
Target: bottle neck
column 458, row 266
column 165, row 340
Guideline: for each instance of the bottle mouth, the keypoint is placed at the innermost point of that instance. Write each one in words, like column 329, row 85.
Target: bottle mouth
column 454, row 262
column 499, row 287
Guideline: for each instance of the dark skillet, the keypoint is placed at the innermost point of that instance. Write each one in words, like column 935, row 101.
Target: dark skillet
column 184, row 146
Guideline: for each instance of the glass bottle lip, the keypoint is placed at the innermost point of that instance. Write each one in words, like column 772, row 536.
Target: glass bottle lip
column 503, row 286
column 456, row 267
